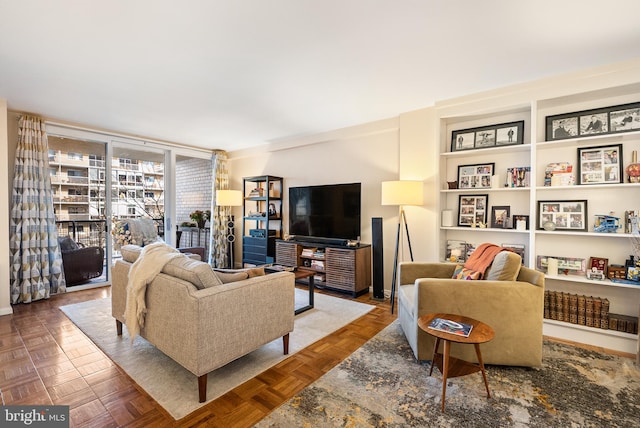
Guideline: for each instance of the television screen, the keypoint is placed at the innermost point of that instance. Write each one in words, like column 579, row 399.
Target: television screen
column 328, row 211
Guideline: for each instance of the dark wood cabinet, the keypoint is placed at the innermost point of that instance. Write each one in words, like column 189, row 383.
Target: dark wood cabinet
column 346, row 269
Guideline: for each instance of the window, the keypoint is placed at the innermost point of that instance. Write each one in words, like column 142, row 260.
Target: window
column 74, row 156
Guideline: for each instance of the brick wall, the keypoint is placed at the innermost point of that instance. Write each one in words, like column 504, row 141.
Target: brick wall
column 193, row 187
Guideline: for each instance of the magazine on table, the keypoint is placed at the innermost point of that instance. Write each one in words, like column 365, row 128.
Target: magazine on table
column 452, row 327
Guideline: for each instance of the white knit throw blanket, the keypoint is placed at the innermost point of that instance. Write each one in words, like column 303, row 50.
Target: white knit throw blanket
column 149, row 264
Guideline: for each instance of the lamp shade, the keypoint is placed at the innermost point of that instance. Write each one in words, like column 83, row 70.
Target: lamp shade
column 402, row 192
column 228, row 198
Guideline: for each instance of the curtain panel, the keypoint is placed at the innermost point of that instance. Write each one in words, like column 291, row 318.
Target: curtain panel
column 218, row 239
column 35, row 257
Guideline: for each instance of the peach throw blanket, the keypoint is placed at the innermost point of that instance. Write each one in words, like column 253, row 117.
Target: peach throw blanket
column 482, row 257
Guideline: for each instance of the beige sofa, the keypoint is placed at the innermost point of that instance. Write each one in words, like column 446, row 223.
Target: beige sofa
column 514, row 309
column 204, row 329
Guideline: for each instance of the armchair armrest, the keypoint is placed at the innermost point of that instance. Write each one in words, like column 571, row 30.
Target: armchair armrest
column 410, row 271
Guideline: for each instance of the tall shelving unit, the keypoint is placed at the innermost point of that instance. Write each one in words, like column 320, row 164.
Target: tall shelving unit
column 533, row 107
column 261, row 218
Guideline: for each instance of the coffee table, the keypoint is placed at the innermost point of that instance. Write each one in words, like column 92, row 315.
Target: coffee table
column 299, row 274
column 451, row 366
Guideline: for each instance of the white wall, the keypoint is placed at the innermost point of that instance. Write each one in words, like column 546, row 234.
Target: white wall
column 5, row 295
column 368, row 154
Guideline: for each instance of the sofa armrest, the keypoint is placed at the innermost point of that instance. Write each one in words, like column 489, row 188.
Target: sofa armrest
column 409, row 272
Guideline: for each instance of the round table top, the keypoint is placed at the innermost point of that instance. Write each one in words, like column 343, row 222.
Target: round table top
column 480, row 332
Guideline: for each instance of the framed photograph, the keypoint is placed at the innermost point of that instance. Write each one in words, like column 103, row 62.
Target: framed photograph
column 566, row 265
column 625, row 118
column 594, row 123
column 456, row 251
column 600, row 165
column 565, row 215
column 516, row 248
column 472, row 210
column 475, row 176
column 607, row 120
column 504, row 134
column 520, row 222
column 500, row 216
column 597, row 268
column 561, row 127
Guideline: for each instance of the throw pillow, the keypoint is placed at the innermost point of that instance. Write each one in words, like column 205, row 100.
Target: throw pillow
column 196, row 272
column 463, row 273
column 130, row 253
column 67, row 244
column 505, row 267
column 227, row 277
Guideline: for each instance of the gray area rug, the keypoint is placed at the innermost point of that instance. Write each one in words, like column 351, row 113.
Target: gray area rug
column 381, row 385
column 175, row 388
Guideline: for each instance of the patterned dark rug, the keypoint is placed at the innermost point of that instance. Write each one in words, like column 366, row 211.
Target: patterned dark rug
column 381, row 385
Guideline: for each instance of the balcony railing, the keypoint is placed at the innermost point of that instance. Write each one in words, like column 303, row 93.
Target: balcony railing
column 91, row 233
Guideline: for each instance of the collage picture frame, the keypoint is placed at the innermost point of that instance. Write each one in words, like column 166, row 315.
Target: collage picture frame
column 472, row 209
column 568, row 215
column 475, row 176
column 606, row 120
column 600, row 165
column 504, row 134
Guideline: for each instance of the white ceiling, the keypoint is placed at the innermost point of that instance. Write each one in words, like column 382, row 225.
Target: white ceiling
column 232, row 74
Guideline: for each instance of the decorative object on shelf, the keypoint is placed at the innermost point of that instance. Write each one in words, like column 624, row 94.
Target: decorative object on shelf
column 200, row 217
column 472, row 209
column 566, row 265
column 567, row 215
column 256, row 192
column 558, row 174
column 499, row 216
column 516, row 248
column 606, row 224
column 616, row 271
column 401, row 193
column 631, row 222
column 549, row 226
column 633, row 169
column 521, row 222
column 552, row 267
column 447, row 218
column 452, row 185
column 600, row 165
column 597, row 268
column 518, row 176
column 495, row 181
column 456, row 251
column 475, row 176
column 608, row 120
column 504, row 134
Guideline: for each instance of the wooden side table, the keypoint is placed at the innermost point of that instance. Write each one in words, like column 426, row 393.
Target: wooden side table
column 450, row 366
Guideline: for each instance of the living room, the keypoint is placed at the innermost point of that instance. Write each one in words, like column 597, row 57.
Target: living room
column 405, row 145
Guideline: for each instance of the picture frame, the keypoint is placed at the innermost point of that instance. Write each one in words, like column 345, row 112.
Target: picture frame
column 520, row 222
column 499, row 216
column 566, row 265
column 516, row 248
column 599, row 121
column 456, row 251
column 568, row 215
column 472, row 209
column 597, row 268
column 503, row 134
column 600, row 165
column 475, row 176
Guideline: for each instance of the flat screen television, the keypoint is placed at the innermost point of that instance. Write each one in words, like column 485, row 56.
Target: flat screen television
column 327, row 211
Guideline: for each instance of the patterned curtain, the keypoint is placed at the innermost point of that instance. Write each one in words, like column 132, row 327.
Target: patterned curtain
column 218, row 244
column 36, row 261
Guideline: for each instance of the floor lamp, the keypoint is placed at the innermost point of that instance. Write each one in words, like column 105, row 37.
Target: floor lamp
column 401, row 193
column 229, row 198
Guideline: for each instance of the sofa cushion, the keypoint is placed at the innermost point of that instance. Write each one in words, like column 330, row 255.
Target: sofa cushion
column 196, row 272
column 227, row 277
column 130, row 253
column 67, row 244
column 462, row 272
column 505, row 267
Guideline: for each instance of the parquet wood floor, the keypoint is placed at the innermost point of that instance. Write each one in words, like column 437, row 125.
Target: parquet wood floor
column 46, row 359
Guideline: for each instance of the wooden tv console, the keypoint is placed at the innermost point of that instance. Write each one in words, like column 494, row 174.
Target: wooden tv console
column 337, row 267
